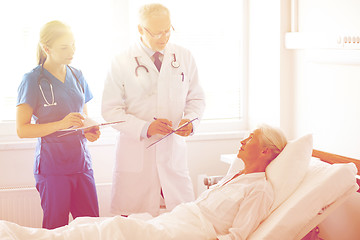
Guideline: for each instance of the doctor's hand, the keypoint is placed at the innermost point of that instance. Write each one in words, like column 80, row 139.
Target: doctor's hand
column 71, row 120
column 185, row 131
column 92, row 134
column 159, row 126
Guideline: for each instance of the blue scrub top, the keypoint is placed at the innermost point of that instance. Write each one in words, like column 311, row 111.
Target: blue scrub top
column 57, row 155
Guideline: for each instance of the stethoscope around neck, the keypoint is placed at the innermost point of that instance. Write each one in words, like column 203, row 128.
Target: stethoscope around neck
column 43, row 76
column 174, row 64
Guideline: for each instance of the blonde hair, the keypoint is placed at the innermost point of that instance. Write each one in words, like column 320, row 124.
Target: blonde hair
column 272, row 137
column 149, row 10
column 49, row 33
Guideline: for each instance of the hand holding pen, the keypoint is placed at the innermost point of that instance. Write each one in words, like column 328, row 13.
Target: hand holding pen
column 185, row 124
column 159, row 126
column 71, row 120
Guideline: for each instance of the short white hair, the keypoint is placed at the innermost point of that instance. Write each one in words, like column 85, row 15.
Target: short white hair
column 273, row 138
column 154, row 9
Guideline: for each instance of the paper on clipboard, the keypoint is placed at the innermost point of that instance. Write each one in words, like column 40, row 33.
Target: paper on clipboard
column 88, row 123
column 175, row 130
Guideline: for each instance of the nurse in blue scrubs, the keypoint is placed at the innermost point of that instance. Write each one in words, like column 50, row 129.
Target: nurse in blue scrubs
column 54, row 95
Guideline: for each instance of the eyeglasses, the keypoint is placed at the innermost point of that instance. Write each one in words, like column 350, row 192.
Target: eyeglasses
column 158, row 36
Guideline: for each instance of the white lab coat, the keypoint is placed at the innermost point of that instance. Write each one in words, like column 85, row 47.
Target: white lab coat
column 140, row 173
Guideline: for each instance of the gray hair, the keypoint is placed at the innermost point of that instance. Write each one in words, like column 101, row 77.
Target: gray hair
column 153, row 9
column 272, row 137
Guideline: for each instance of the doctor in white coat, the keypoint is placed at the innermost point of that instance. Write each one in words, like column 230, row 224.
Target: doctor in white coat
column 153, row 102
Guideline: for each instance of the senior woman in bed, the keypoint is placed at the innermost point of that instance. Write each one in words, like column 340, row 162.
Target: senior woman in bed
column 232, row 209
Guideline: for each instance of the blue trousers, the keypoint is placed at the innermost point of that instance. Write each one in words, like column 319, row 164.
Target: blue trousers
column 64, row 194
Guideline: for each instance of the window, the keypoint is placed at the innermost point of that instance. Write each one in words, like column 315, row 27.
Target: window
column 21, row 20
column 213, row 32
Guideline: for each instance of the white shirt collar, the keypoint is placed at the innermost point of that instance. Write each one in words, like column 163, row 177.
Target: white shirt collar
column 149, row 51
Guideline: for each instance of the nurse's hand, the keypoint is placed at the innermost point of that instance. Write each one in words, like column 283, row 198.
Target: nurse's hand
column 160, row 126
column 92, row 134
column 72, row 120
column 185, row 131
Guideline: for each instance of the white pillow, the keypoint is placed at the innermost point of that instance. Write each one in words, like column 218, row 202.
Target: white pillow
column 288, row 169
column 303, row 209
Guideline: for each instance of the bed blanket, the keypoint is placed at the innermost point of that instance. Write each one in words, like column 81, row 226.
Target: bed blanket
column 184, row 222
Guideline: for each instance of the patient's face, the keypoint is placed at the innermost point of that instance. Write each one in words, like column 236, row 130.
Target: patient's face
column 250, row 147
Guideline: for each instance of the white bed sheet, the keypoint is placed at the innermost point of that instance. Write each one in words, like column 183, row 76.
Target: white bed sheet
column 184, row 222
column 323, row 185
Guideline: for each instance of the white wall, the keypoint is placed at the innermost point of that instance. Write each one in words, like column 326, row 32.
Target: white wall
column 327, row 82
column 309, row 90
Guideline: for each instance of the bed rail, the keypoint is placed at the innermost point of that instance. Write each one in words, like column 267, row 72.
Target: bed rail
column 333, row 158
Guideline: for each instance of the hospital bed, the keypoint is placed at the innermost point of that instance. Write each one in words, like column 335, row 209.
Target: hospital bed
column 306, row 191
column 312, row 184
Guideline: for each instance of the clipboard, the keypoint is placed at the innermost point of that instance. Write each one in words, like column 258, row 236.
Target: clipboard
column 175, row 130
column 87, row 125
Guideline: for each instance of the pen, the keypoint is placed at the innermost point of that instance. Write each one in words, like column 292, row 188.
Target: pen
column 173, row 131
column 155, row 118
